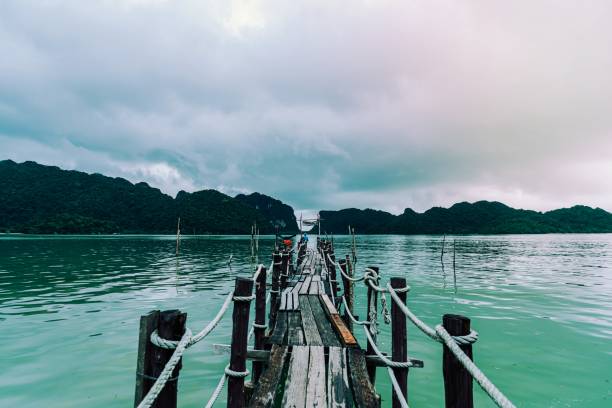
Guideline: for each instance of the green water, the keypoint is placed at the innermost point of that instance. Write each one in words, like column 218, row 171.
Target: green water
column 69, row 310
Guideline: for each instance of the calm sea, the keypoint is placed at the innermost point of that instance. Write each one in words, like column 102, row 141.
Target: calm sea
column 69, row 311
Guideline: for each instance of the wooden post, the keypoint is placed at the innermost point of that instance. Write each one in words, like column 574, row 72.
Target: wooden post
column 274, row 292
column 153, row 359
column 284, row 272
column 457, row 380
column 372, row 298
column 348, row 294
column 399, row 345
column 332, row 271
column 240, row 332
column 148, row 324
column 260, row 319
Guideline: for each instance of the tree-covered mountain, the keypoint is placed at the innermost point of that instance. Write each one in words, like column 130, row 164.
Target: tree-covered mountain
column 482, row 217
column 45, row 199
column 277, row 212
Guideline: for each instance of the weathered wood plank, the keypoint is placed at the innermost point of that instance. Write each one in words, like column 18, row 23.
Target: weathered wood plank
column 331, row 309
column 311, row 331
column 278, row 335
column 316, row 278
column 265, row 390
column 326, row 331
column 297, row 376
column 317, row 393
column 366, row 397
column 339, row 390
column 295, row 335
column 345, row 335
column 305, row 286
column 314, row 287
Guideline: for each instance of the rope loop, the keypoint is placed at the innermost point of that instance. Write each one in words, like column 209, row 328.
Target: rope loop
column 260, row 326
column 243, row 298
column 236, row 374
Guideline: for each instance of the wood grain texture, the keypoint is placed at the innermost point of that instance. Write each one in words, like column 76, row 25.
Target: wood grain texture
column 317, row 392
column 339, row 390
column 297, row 378
column 364, row 395
column 311, row 331
column 295, row 334
column 305, row 286
column 265, row 390
column 280, row 330
column 326, row 331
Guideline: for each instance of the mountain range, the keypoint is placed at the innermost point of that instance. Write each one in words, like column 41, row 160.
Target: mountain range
column 41, row 199
column 44, row 199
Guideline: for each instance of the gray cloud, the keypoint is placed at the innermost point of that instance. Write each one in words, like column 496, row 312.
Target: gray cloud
column 383, row 104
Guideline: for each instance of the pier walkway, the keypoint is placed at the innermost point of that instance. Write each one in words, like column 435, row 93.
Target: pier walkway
column 314, row 356
column 304, row 353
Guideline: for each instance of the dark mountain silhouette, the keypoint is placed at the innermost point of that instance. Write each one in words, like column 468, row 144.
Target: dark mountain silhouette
column 482, row 217
column 46, row 199
column 277, row 212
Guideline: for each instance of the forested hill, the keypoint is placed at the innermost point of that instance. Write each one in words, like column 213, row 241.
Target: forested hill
column 45, row 199
column 482, row 217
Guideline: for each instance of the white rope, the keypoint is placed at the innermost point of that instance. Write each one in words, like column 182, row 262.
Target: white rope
column 344, row 274
column 243, row 298
column 350, row 315
column 400, row 395
column 385, row 360
column 470, row 338
column 496, row 395
column 216, row 392
column 171, row 344
column 161, row 380
column 237, row 374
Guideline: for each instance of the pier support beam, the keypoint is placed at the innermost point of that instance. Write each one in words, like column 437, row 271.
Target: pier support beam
column 275, row 291
column 399, row 338
column 260, row 320
column 170, row 324
column 240, row 330
column 348, row 292
column 457, row 380
column 372, row 301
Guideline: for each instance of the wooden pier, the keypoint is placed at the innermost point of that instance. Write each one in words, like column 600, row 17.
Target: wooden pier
column 315, row 361
column 307, row 355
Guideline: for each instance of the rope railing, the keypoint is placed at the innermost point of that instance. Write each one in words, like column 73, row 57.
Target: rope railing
column 439, row 334
column 188, row 340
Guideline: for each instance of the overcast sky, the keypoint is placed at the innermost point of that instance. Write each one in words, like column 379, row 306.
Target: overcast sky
column 322, row 104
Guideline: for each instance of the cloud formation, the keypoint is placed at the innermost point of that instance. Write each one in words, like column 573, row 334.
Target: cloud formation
column 386, row 104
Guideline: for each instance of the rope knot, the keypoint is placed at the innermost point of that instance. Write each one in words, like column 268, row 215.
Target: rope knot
column 236, row 374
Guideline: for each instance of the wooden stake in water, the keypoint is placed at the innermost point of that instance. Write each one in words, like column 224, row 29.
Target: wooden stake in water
column 178, row 235
column 454, row 271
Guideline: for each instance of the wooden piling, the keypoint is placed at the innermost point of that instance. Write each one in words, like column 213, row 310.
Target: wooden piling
column 170, row 324
column 260, row 319
column 348, row 294
column 332, row 272
column 274, row 292
column 399, row 338
column 372, row 299
column 284, row 272
column 457, row 380
column 148, row 323
column 240, row 330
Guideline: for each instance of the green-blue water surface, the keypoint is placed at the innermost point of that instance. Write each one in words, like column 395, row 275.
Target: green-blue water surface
column 69, row 311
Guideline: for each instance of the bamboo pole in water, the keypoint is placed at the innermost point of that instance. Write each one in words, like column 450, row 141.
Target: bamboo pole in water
column 178, row 235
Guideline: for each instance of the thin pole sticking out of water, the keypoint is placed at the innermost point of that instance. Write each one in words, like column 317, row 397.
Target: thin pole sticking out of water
column 178, row 235
column 454, row 271
column 442, row 253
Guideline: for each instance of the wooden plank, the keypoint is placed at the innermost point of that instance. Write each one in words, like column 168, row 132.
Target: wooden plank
column 339, row 390
column 316, row 278
column 296, row 303
column 295, row 335
column 283, row 301
column 345, row 335
column 297, row 376
column 311, row 331
column 326, row 331
column 314, row 287
column 280, row 329
column 265, row 390
column 358, row 374
column 316, row 394
column 305, row 285
column 331, row 309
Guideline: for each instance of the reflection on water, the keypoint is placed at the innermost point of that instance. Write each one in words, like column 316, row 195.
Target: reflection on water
column 69, row 309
